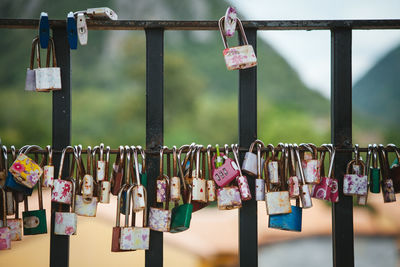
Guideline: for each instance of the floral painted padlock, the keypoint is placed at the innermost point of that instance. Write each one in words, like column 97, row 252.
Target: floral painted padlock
column 160, row 218
column 311, row 165
column 355, row 184
column 133, row 237
column 229, row 198
column 62, row 189
column 238, row 57
column 65, row 223
column 25, row 170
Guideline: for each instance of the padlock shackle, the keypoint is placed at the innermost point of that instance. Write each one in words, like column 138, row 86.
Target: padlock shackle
column 128, row 204
column 94, row 162
column 3, row 192
column 384, row 162
column 181, row 171
column 396, row 150
column 63, row 158
column 118, row 215
column 222, row 29
column 259, row 176
column 368, row 160
column 107, row 167
column 143, row 154
column 144, row 221
column 296, row 149
column 135, row 160
column 375, row 156
column 257, row 141
column 209, row 166
column 174, row 158
column 5, row 158
column 35, row 53
column 128, row 166
column 198, row 155
column 235, row 151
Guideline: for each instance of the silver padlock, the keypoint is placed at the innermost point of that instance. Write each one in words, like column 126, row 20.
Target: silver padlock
column 249, row 164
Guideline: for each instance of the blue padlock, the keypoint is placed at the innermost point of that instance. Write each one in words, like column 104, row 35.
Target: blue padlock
column 71, row 31
column 289, row 221
column 13, row 185
column 44, row 30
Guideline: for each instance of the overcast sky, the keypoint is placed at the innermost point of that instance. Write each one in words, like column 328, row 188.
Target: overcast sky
column 309, row 51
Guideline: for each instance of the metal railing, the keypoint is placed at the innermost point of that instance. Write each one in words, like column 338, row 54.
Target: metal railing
column 341, row 118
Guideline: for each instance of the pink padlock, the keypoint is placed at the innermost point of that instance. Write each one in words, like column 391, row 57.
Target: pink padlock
column 226, row 173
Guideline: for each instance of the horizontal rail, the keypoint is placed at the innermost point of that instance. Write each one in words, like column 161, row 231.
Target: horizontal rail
column 307, row 25
column 221, row 149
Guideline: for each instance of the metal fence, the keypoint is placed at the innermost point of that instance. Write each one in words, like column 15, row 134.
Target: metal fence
column 341, row 118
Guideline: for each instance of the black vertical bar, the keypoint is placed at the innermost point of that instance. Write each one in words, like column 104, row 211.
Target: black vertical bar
column 61, row 133
column 248, row 241
column 154, row 129
column 341, row 131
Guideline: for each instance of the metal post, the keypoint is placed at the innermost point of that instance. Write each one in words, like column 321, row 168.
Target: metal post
column 248, row 242
column 59, row 245
column 341, row 131
column 154, row 129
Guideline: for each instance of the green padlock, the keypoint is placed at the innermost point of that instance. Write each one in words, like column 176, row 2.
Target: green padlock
column 375, row 173
column 182, row 214
column 35, row 221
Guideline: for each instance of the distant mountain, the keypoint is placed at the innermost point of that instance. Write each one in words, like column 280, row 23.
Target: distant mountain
column 377, row 94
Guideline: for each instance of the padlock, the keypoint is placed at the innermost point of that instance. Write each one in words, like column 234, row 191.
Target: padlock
column 273, row 166
column 277, row 198
column 198, row 184
column 160, row 218
column 62, row 189
column 138, row 191
column 26, row 171
column 250, row 162
column 84, row 206
column 293, row 181
column 132, row 237
column 48, row 170
column 211, row 188
column 5, row 232
column 288, row 221
column 181, row 215
column 106, row 183
column 259, row 182
column 161, row 181
column 229, row 198
column 362, row 199
column 15, row 225
column 224, row 174
column 241, row 180
column 323, row 190
column 65, row 223
column 82, row 28
column 35, row 220
column 375, row 173
column 117, row 179
column 394, row 170
column 311, row 166
column 305, row 195
column 87, row 187
column 49, row 78
column 387, row 183
column 116, row 232
column 30, row 81
column 239, row 57
column 101, row 165
column 11, row 184
column 175, row 189
column 355, row 184
column 230, row 21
